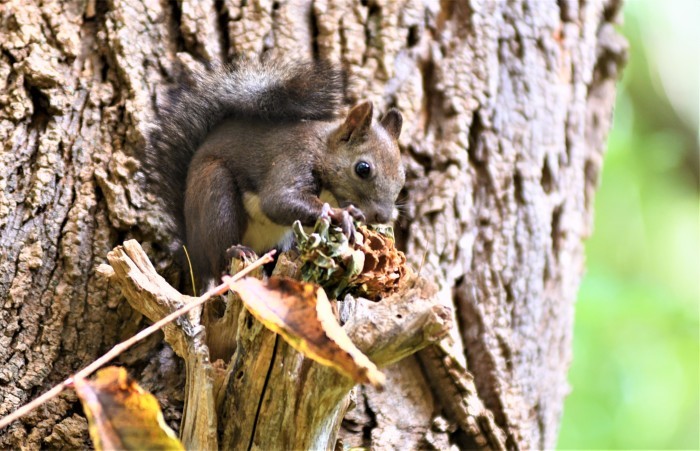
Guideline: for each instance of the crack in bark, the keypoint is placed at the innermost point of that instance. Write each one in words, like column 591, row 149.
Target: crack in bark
column 175, row 24
column 482, row 362
column 223, row 18
column 371, row 424
column 313, row 20
column 263, row 392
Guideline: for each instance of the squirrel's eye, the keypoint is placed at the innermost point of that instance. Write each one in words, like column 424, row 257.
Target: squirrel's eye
column 363, row 169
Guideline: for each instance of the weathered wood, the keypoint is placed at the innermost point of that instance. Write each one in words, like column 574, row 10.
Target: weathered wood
column 304, row 402
column 506, row 107
column 273, row 397
column 149, row 294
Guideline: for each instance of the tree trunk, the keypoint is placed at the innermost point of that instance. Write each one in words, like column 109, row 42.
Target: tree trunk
column 506, row 108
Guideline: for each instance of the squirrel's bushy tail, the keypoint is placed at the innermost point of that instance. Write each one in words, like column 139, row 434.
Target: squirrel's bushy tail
column 269, row 90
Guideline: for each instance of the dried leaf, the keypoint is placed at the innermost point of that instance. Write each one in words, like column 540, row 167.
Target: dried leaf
column 121, row 415
column 302, row 314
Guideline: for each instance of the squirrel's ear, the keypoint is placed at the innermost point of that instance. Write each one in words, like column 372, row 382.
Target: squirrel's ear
column 358, row 122
column 392, row 122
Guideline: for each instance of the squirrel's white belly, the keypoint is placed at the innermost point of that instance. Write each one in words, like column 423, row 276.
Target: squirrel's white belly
column 262, row 234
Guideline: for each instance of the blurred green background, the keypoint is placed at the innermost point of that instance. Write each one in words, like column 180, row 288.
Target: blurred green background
column 634, row 376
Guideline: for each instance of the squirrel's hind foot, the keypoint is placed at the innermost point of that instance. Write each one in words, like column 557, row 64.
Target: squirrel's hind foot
column 240, row 252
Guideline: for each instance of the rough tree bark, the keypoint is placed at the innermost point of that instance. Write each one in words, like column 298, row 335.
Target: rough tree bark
column 506, row 108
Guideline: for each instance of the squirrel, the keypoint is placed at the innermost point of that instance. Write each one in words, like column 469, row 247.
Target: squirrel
column 239, row 153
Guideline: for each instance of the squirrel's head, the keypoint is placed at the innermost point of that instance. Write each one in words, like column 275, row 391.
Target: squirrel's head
column 365, row 167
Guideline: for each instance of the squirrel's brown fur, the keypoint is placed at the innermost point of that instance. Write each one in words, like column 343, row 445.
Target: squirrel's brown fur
column 241, row 153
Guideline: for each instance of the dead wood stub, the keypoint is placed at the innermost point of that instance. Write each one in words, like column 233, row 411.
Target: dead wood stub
column 269, row 395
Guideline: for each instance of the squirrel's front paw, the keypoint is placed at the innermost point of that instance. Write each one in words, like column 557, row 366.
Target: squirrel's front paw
column 355, row 212
column 343, row 217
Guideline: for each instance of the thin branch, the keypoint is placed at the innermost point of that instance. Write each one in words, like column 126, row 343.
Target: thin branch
column 123, row 346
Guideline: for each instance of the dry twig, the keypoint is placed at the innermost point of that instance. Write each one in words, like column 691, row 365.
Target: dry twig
column 123, row 346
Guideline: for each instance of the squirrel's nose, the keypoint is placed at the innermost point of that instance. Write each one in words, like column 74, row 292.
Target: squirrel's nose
column 381, row 218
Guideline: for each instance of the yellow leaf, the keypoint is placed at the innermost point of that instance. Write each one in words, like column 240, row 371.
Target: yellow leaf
column 121, row 415
column 302, row 314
